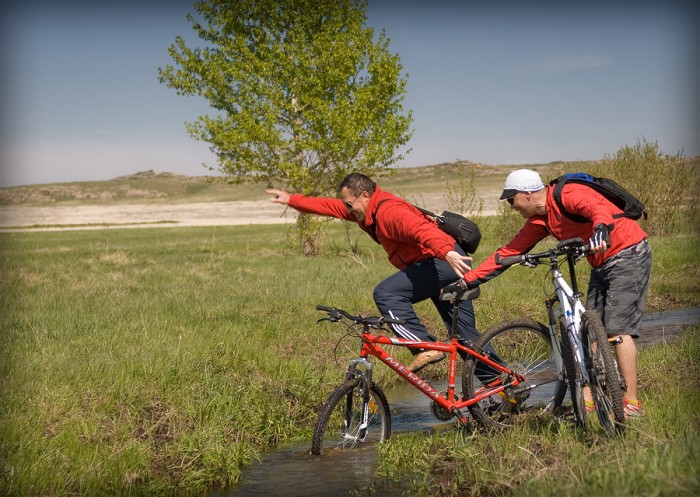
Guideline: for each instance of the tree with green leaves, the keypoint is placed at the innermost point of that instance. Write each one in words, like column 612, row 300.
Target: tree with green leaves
column 304, row 93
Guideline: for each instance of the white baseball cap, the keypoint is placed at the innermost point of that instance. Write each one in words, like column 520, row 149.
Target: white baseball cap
column 522, row 180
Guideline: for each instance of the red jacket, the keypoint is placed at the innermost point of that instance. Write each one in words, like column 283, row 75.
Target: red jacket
column 577, row 199
column 403, row 231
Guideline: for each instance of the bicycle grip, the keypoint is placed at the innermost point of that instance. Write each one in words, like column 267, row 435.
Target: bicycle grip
column 509, row 261
column 324, row 308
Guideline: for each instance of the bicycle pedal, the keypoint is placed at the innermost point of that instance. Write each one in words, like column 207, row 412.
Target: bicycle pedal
column 615, row 340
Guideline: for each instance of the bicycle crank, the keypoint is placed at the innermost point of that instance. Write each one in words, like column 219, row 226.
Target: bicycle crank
column 440, row 412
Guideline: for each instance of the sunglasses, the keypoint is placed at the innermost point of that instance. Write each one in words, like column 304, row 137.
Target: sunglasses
column 350, row 204
column 510, row 199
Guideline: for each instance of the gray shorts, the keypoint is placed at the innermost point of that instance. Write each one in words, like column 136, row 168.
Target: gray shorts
column 618, row 289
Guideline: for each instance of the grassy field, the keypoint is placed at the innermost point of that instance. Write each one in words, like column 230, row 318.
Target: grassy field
column 154, row 361
column 658, row 456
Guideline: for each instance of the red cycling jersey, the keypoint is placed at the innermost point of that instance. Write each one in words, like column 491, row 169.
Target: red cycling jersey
column 577, row 199
column 405, row 233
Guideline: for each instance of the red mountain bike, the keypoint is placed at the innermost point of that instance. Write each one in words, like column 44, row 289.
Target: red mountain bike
column 522, row 376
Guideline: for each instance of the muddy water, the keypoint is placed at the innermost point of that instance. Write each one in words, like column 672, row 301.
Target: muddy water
column 662, row 327
column 291, row 471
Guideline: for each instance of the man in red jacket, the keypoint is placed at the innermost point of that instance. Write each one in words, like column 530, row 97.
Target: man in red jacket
column 427, row 257
column 620, row 257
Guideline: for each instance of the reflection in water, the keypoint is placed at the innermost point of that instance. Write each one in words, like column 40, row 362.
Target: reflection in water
column 293, row 472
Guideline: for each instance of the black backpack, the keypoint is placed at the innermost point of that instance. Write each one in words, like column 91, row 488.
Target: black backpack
column 463, row 230
column 630, row 205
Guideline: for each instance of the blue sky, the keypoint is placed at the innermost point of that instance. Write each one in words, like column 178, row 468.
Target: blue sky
column 494, row 82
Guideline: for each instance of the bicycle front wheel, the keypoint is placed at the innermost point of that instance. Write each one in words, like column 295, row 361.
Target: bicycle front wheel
column 574, row 376
column 524, row 346
column 606, row 381
column 341, row 424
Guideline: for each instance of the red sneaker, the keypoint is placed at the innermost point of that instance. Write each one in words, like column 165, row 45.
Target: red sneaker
column 633, row 408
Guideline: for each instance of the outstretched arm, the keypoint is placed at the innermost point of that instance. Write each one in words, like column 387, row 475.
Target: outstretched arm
column 278, row 196
column 323, row 206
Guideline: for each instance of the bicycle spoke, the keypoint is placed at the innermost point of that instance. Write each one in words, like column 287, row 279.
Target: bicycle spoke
column 525, row 348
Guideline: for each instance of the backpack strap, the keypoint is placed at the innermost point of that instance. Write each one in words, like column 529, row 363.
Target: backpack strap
column 426, row 211
column 372, row 231
column 558, row 187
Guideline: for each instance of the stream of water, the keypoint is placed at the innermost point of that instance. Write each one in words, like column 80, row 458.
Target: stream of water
column 291, row 471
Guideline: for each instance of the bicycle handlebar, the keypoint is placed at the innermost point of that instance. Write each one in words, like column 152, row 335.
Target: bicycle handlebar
column 572, row 246
column 335, row 314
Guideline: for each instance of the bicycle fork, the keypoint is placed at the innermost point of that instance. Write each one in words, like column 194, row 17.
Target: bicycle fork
column 571, row 311
column 556, row 346
column 364, row 373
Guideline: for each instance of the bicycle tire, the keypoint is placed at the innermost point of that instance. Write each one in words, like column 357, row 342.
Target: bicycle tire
column 606, row 383
column 525, row 346
column 346, row 402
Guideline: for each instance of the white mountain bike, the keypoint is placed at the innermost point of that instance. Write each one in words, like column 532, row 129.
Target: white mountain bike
column 581, row 354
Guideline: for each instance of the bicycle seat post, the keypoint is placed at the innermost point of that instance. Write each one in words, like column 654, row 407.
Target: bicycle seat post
column 455, row 320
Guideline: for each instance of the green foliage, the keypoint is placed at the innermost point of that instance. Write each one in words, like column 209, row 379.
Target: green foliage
column 667, row 184
column 304, row 94
column 461, row 192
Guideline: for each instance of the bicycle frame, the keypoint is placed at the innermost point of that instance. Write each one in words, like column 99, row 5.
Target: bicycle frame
column 571, row 309
column 371, row 346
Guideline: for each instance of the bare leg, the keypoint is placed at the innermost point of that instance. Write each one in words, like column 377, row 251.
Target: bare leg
column 627, row 361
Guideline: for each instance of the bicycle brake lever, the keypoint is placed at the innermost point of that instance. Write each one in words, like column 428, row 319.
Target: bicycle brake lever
column 528, row 263
column 332, row 320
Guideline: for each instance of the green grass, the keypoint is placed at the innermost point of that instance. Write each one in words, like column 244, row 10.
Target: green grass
column 658, row 456
column 152, row 361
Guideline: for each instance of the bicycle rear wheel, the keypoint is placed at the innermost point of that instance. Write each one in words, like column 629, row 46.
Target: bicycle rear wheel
column 525, row 347
column 606, row 381
column 339, row 424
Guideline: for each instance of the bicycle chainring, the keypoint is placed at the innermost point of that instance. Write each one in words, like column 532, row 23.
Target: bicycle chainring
column 440, row 412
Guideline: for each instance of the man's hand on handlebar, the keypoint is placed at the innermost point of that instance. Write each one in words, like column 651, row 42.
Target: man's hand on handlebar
column 600, row 241
column 456, row 289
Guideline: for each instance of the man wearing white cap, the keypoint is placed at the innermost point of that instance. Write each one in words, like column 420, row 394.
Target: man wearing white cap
column 620, row 257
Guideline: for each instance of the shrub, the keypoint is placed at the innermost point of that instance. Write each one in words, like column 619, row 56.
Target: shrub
column 666, row 183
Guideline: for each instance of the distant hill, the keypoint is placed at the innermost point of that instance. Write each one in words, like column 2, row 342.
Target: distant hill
column 141, row 186
column 151, row 186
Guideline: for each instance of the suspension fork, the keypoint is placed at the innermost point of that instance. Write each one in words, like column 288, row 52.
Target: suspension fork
column 554, row 335
column 572, row 311
column 359, row 368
